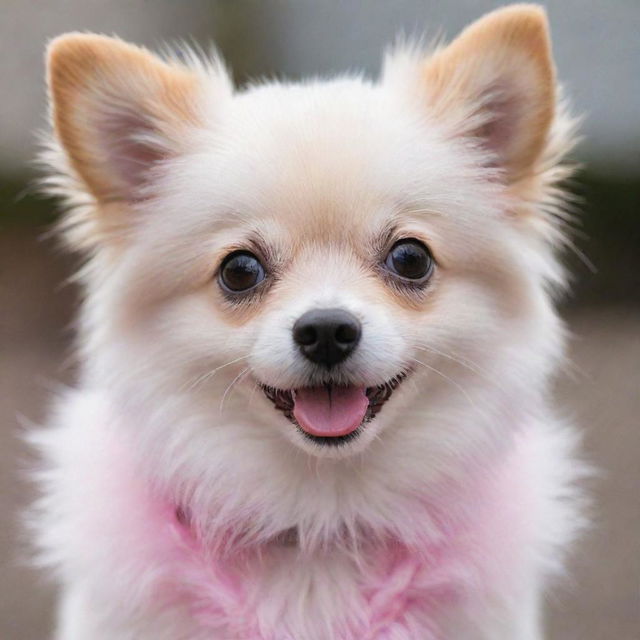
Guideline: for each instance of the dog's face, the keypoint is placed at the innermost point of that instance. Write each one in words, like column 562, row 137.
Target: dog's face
column 321, row 261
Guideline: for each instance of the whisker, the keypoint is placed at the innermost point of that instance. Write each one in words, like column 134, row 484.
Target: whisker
column 466, row 363
column 202, row 378
column 231, row 385
column 448, row 379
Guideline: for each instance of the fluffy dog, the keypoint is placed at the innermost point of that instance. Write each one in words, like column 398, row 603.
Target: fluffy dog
column 316, row 346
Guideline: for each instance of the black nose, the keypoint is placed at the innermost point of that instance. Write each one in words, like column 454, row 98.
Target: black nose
column 327, row 336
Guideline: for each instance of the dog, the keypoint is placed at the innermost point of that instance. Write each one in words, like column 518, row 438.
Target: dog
column 316, row 345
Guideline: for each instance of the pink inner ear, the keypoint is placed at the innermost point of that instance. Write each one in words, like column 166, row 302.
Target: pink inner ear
column 131, row 148
column 503, row 110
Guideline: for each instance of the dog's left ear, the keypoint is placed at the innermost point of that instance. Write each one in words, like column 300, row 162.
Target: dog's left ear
column 496, row 83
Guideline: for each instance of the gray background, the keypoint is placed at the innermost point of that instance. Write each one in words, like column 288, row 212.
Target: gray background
column 596, row 46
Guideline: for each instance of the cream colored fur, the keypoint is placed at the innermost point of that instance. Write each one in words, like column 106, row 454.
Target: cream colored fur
column 165, row 169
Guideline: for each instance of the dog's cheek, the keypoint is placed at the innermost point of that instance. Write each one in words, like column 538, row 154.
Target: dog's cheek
column 186, row 343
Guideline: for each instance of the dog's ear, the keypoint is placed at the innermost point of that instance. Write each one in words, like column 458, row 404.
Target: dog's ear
column 496, row 82
column 119, row 111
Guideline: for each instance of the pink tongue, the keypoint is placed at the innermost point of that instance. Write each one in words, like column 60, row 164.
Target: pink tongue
column 330, row 411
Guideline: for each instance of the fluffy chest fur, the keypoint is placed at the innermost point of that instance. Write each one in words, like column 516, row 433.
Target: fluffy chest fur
column 469, row 545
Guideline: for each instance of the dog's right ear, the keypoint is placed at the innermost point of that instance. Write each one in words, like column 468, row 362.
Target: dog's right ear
column 119, row 111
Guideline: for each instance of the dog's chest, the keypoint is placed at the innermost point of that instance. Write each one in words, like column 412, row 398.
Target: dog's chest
column 280, row 593
column 382, row 589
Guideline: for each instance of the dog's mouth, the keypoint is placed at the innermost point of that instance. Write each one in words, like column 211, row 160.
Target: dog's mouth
column 332, row 414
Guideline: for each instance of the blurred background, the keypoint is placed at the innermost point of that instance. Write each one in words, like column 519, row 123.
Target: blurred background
column 597, row 49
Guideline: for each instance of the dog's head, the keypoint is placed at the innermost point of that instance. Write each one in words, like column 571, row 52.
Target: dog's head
column 323, row 261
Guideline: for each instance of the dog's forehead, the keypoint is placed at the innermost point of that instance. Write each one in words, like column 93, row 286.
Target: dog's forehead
column 309, row 164
column 335, row 152
column 319, row 154
column 340, row 161
column 322, row 201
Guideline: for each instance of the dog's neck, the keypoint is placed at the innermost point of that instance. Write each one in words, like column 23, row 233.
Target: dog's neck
column 261, row 493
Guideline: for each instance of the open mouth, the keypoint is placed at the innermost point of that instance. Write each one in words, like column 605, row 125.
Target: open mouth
column 332, row 414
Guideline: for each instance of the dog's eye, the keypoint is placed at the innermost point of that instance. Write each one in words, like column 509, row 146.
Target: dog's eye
column 240, row 271
column 410, row 260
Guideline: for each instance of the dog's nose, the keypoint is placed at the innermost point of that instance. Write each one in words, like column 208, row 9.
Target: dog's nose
column 327, row 336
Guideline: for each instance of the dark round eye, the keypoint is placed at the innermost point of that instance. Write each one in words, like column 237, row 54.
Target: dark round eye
column 410, row 260
column 241, row 271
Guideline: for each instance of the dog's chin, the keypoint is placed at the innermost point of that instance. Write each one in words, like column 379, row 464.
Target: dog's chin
column 339, row 442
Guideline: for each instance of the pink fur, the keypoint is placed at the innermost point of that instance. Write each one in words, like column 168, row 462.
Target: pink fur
column 481, row 524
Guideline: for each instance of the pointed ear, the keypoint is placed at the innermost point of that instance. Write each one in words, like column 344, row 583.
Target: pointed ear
column 496, row 82
column 118, row 110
